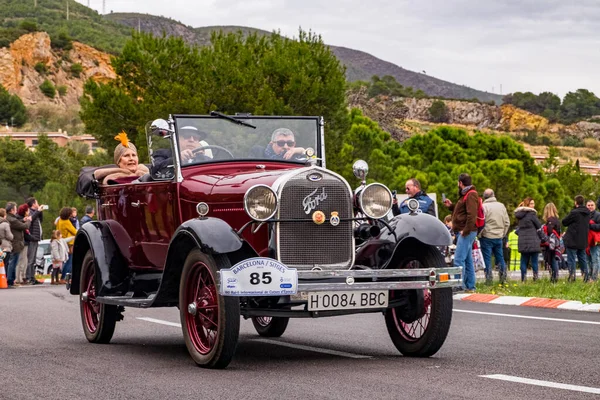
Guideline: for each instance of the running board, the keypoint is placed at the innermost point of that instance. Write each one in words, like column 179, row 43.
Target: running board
column 127, row 300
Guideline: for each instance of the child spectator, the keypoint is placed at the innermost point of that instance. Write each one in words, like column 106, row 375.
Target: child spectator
column 60, row 253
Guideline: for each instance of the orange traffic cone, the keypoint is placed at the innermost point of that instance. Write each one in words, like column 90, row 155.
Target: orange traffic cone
column 3, row 281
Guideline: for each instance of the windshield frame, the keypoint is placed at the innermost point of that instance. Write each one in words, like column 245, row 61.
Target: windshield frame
column 320, row 139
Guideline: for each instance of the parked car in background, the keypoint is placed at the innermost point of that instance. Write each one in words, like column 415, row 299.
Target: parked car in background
column 43, row 258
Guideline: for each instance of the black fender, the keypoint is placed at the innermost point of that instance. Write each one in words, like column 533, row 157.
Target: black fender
column 211, row 235
column 401, row 231
column 111, row 264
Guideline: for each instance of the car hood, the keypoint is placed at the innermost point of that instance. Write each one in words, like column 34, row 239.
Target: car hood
column 231, row 183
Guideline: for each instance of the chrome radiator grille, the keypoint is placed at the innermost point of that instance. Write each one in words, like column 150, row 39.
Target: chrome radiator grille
column 305, row 245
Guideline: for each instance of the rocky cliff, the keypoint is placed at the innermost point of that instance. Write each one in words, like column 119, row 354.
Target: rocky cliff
column 30, row 60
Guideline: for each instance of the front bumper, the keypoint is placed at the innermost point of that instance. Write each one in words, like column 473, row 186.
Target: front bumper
column 385, row 279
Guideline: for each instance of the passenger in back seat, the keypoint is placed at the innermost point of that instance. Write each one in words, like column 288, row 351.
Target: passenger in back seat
column 126, row 158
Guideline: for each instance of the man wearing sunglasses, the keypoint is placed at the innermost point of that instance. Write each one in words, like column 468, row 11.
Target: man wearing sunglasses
column 414, row 191
column 283, row 146
column 189, row 138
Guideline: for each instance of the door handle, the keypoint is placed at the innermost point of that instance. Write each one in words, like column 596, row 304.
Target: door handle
column 137, row 204
column 107, row 204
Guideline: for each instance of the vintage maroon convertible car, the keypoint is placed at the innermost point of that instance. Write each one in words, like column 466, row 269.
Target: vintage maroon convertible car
column 254, row 225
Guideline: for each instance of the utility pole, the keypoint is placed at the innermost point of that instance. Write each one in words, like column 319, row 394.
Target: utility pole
column 67, row 10
column 88, row 3
column 500, row 88
column 104, row 7
column 35, row 3
column 139, row 26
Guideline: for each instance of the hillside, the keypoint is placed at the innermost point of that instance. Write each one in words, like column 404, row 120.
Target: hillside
column 359, row 65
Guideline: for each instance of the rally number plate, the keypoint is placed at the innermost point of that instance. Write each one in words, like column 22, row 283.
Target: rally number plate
column 259, row 276
column 321, row 301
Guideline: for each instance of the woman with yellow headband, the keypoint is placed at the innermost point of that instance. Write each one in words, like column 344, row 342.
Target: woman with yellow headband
column 126, row 158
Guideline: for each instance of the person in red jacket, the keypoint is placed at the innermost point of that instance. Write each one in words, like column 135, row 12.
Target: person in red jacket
column 594, row 235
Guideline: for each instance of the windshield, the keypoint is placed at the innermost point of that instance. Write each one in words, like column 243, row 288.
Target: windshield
column 204, row 139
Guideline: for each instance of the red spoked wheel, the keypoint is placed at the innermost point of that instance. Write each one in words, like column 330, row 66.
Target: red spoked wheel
column 420, row 327
column 270, row 326
column 98, row 320
column 415, row 330
column 210, row 322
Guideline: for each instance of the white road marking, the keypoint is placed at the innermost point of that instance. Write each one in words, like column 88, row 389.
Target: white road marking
column 535, row 382
column 270, row 341
column 160, row 321
column 576, row 321
column 311, row 348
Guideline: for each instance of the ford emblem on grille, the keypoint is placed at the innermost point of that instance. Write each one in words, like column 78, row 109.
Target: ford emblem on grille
column 313, row 200
column 315, row 177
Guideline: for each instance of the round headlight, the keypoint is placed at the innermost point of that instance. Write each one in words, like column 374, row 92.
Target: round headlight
column 260, row 202
column 375, row 200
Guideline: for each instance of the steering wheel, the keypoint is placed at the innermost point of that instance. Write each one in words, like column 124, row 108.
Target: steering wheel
column 214, row 147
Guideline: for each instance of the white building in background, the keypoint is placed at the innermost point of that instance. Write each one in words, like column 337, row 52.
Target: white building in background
column 60, row 138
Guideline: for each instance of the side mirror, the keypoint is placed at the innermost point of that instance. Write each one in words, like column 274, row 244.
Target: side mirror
column 360, row 168
column 160, row 127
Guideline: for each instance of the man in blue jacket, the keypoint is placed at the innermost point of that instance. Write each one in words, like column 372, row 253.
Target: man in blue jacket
column 414, row 191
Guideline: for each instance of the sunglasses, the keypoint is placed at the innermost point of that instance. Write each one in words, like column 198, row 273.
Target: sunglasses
column 282, row 143
column 188, row 136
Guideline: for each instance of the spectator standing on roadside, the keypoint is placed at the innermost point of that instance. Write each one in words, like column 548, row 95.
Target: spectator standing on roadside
column 529, row 239
column 36, row 212
column 414, row 191
column 578, row 226
column 515, row 256
column 551, row 224
column 464, row 223
column 68, row 232
column 60, row 253
column 89, row 215
column 6, row 237
column 496, row 227
column 17, row 229
column 73, row 218
column 594, row 258
column 22, row 213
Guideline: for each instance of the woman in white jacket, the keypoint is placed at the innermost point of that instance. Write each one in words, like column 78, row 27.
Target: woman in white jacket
column 60, row 253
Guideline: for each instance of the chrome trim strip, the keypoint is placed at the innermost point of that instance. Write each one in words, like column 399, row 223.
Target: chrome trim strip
column 379, row 273
column 322, row 132
column 342, row 286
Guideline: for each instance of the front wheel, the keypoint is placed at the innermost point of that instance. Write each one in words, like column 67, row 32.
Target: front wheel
column 210, row 322
column 420, row 326
column 98, row 319
column 270, row 326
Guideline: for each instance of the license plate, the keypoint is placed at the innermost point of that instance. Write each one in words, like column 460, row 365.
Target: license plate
column 320, row 301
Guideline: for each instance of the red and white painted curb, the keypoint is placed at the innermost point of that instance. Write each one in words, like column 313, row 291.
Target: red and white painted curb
column 527, row 301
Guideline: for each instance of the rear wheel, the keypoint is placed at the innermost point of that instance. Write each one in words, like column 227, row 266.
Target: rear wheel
column 210, row 322
column 270, row 326
column 419, row 327
column 98, row 319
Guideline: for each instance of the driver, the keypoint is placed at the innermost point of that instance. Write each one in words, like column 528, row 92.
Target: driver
column 283, row 146
column 191, row 138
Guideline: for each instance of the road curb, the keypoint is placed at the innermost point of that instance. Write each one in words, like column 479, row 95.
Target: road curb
column 527, row 302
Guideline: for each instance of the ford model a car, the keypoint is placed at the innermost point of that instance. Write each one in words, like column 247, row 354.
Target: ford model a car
column 239, row 217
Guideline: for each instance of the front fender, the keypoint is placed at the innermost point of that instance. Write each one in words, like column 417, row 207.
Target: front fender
column 112, row 265
column 211, row 235
column 423, row 227
column 378, row 252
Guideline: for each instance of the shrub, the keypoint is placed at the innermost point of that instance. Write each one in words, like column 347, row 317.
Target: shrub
column 61, row 41
column 12, row 108
column 41, row 68
column 545, row 140
column 531, row 138
column 76, row 70
column 29, row 26
column 62, row 90
column 438, row 112
column 48, row 89
column 572, row 141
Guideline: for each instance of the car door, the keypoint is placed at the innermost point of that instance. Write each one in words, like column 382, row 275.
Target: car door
column 151, row 221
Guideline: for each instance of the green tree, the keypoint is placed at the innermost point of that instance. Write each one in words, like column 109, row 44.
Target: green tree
column 579, row 105
column 12, row 109
column 438, row 112
column 261, row 75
